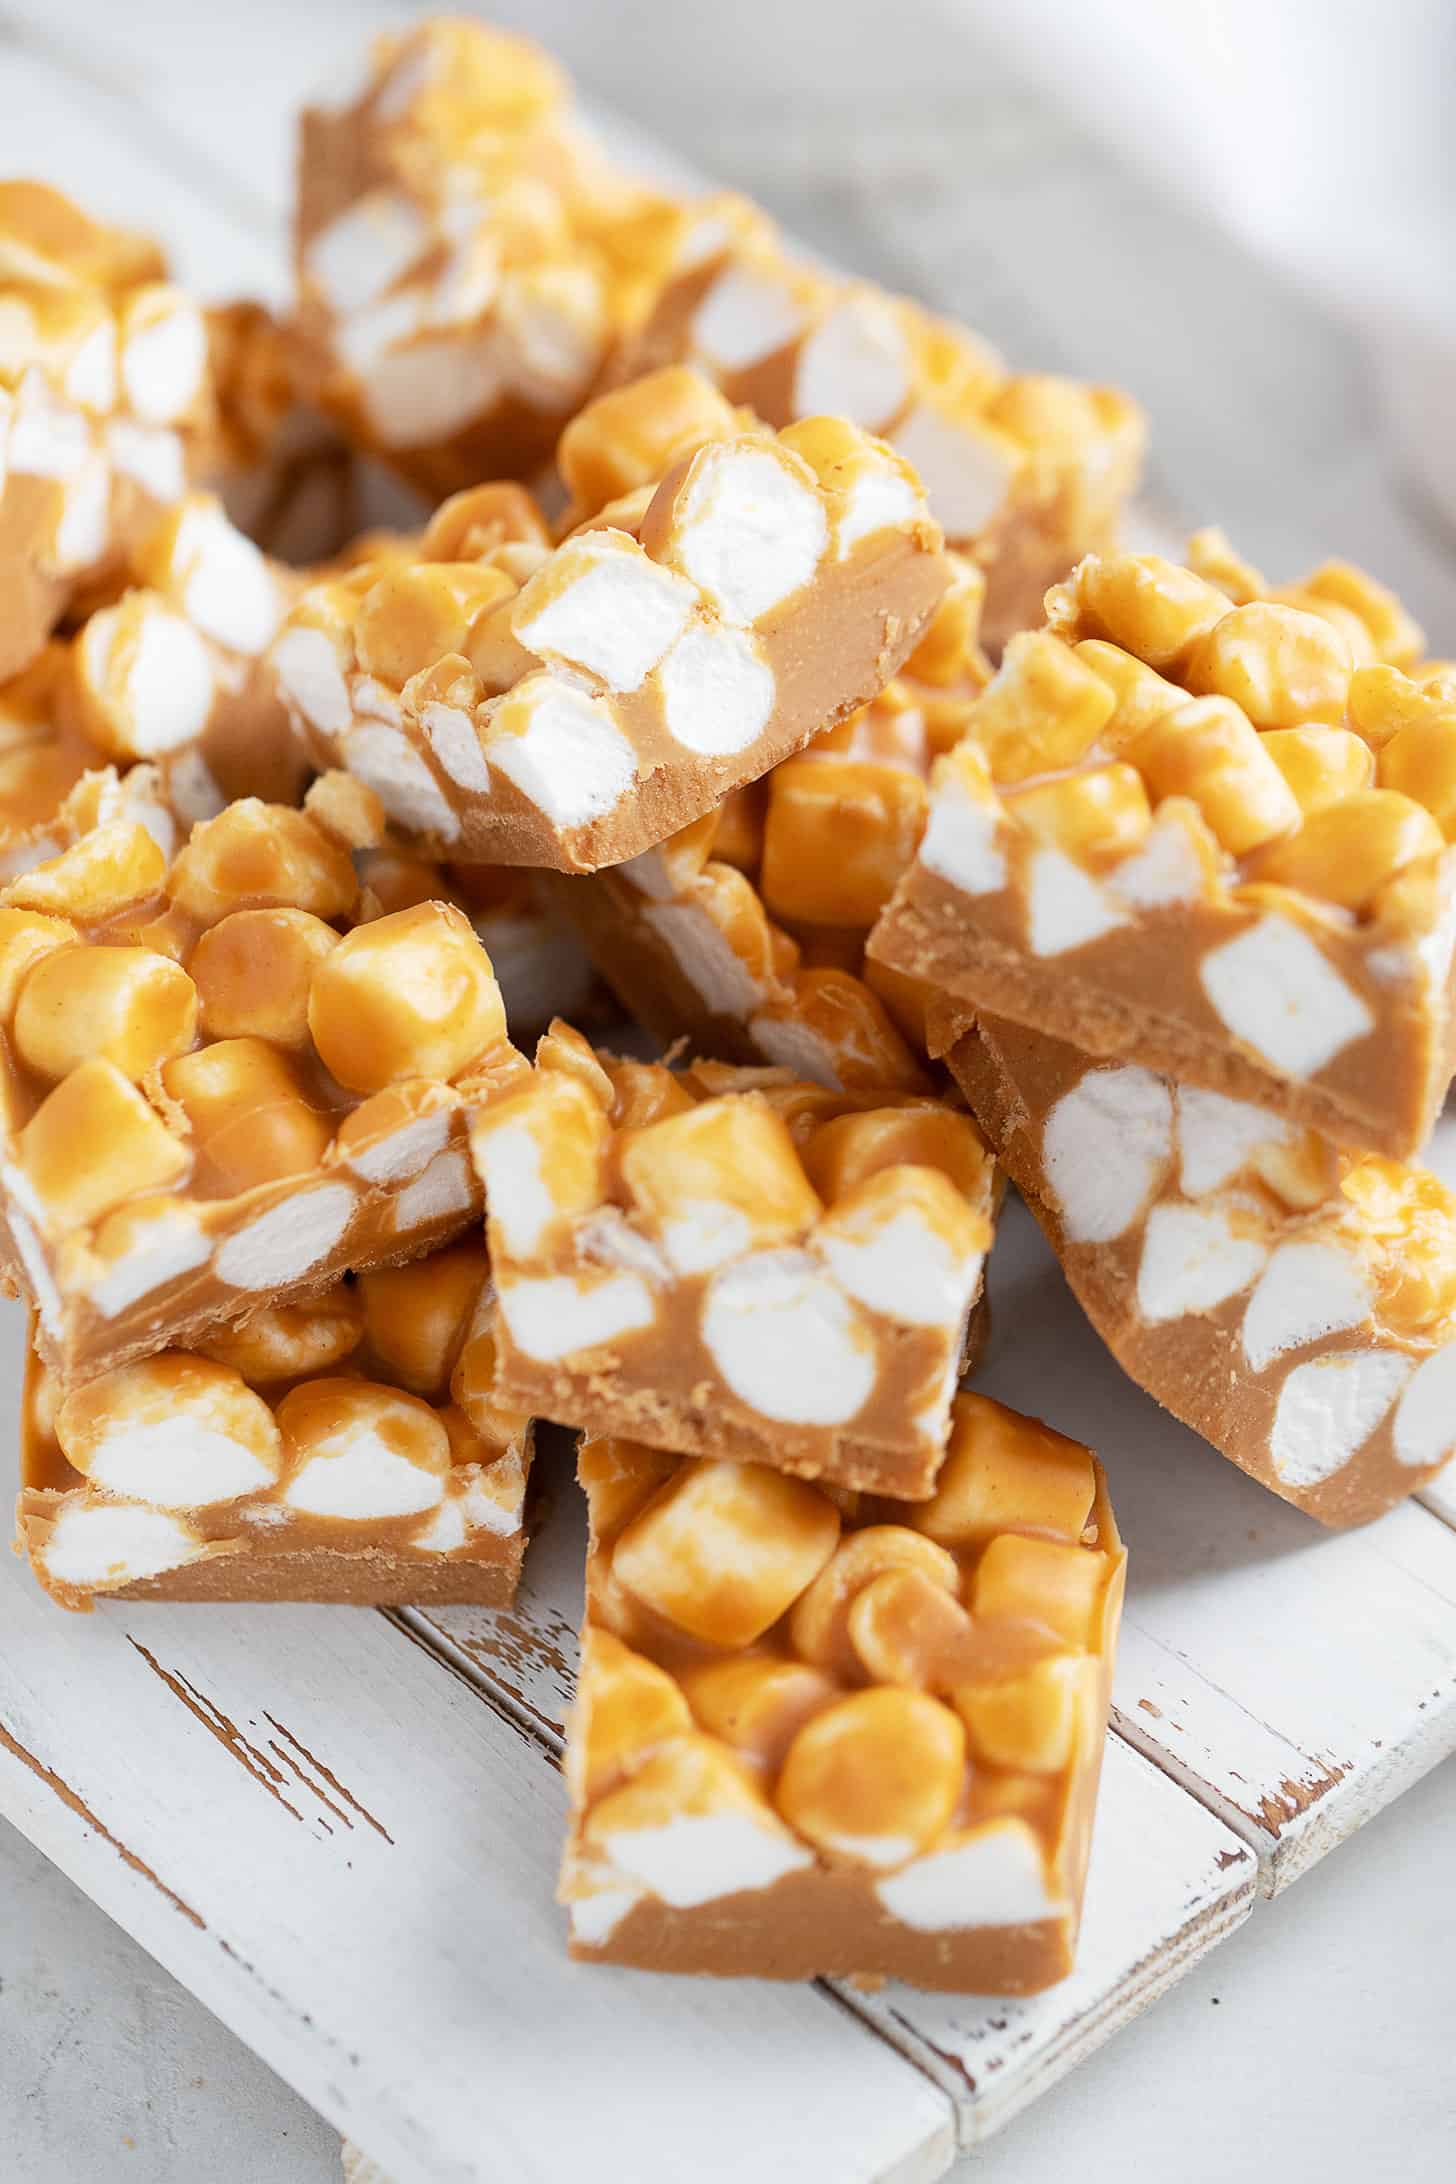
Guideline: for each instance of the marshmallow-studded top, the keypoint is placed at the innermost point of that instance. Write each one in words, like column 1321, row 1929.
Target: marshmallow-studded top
column 1233, row 807
column 465, row 257
column 792, row 342
column 763, row 1264
column 1292, row 731
column 216, row 1075
column 570, row 706
column 363, row 1417
column 777, row 1680
column 104, row 390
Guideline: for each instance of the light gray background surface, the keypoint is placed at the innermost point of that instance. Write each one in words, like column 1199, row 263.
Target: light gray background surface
column 1319, row 2040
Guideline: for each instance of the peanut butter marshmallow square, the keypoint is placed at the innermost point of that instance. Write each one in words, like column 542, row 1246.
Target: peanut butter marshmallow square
column 226, row 1080
column 105, row 405
column 745, row 933
column 345, row 1447
column 734, row 1261
column 1024, row 472
column 822, row 1733
column 1293, row 1303
column 465, row 256
column 511, row 702
column 1205, row 827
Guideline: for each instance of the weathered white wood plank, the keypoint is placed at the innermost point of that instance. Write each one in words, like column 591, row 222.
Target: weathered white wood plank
column 350, row 1858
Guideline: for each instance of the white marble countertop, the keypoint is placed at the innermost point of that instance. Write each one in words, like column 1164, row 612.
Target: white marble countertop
column 1317, row 2040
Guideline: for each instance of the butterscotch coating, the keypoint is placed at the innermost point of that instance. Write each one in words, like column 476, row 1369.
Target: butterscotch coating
column 105, row 395
column 569, row 707
column 229, row 1076
column 1171, row 831
column 749, row 1263
column 1294, row 1303
column 823, row 1732
column 305, row 1454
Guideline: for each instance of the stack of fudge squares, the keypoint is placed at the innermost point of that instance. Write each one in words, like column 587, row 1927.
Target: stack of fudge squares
column 750, row 653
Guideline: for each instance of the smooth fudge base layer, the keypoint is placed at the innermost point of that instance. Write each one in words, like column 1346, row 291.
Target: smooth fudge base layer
column 818, row 1732
column 1295, row 1306
column 822, row 1925
column 1382, row 1092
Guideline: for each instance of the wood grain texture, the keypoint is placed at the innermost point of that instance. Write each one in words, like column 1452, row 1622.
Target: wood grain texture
column 351, row 1860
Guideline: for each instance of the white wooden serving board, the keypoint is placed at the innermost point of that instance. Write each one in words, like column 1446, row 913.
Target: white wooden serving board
column 339, row 1828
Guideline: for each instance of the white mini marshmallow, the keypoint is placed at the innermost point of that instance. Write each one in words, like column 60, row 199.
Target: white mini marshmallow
column 1329, row 1408
column 792, row 1044
column 452, row 738
column 228, row 589
column 522, row 1203
column 1276, row 993
column 743, row 318
column 1164, row 870
column 387, row 762
column 312, row 680
column 879, row 500
column 85, row 525
column 169, row 681
column 1425, row 1424
column 992, row 1877
column 966, row 476
column 183, row 1462
column 430, row 390
column 570, row 759
column 150, row 456
column 394, row 1159
column 720, row 978
column 355, row 1472
column 855, row 364
column 558, row 1316
column 962, row 839
column 47, row 438
column 1306, row 1292
column 594, row 1919
column 1217, row 1136
column 694, row 1859
column 443, row 1189
column 288, row 1241
column 90, row 376
column 1105, row 1149
column 367, row 335
column 609, row 609
column 705, row 1233
column 749, row 531
column 162, row 365
column 365, row 250
column 36, row 1263
column 96, row 1546
column 717, row 694
column 1068, row 908
column 1193, row 1260
column 788, row 1341
column 904, row 1270
column 172, row 1245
